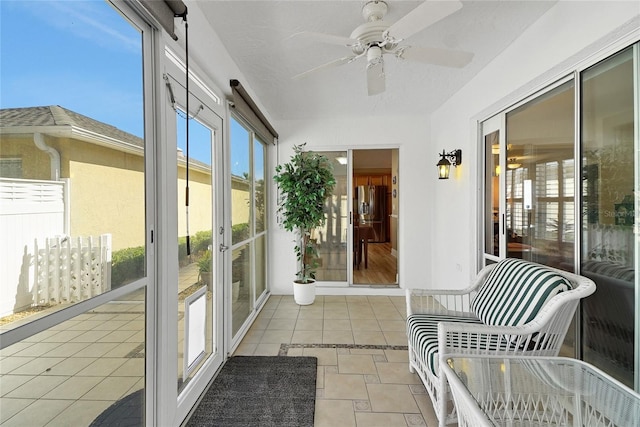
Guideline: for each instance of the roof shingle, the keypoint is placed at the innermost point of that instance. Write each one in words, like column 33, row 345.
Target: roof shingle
column 55, row 115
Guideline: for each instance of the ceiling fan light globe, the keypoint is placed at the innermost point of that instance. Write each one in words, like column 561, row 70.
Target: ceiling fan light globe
column 374, row 54
column 375, row 71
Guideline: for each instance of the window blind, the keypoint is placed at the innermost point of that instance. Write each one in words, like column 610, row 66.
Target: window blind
column 247, row 108
column 164, row 12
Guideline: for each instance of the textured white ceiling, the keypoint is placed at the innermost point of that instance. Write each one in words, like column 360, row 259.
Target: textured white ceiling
column 257, row 36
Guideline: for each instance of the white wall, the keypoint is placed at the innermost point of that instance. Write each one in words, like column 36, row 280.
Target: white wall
column 569, row 34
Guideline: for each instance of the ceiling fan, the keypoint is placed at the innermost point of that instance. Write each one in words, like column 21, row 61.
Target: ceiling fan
column 376, row 38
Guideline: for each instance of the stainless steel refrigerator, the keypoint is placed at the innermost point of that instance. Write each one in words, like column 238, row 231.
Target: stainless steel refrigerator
column 372, row 210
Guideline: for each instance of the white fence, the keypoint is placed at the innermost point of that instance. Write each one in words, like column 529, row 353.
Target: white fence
column 36, row 268
column 29, row 210
column 68, row 270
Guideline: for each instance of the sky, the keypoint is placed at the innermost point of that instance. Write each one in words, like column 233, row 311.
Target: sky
column 80, row 55
column 83, row 56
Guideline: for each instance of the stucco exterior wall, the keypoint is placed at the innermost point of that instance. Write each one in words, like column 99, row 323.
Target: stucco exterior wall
column 240, row 198
column 35, row 163
column 200, row 201
column 107, row 188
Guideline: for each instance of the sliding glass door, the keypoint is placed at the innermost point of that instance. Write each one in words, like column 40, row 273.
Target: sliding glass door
column 569, row 158
column 608, row 253
column 539, row 179
column 529, row 181
column 331, row 239
column 248, row 284
column 358, row 242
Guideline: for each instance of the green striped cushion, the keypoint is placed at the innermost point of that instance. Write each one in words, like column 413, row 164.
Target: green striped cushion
column 515, row 291
column 422, row 331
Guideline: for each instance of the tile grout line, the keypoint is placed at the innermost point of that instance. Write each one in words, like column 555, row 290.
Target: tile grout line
column 284, row 347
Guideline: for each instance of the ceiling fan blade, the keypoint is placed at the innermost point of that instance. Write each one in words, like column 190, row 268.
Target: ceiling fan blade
column 375, row 77
column 334, row 63
column 324, row 38
column 421, row 17
column 432, row 55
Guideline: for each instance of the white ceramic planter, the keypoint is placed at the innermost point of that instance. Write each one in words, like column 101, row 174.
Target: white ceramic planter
column 304, row 293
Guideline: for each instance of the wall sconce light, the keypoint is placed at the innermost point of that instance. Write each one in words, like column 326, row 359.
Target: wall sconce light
column 513, row 163
column 453, row 158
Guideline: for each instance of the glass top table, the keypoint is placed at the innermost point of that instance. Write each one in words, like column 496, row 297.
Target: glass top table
column 544, row 391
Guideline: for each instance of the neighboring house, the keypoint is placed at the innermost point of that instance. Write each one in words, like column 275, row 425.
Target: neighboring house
column 105, row 167
column 103, row 164
column 93, row 175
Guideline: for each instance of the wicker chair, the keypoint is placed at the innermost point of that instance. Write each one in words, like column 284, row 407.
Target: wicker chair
column 514, row 308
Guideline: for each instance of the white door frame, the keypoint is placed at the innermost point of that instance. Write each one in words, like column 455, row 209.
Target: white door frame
column 177, row 407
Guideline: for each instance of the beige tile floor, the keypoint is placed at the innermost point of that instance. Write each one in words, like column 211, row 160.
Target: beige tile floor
column 360, row 342
column 70, row 373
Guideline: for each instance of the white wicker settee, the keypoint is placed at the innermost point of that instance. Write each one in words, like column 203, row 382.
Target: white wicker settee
column 514, row 308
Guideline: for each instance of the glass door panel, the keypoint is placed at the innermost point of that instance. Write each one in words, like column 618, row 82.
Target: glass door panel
column 608, row 215
column 75, row 253
column 259, row 202
column 492, row 194
column 539, row 179
column 241, row 270
column 492, row 233
column 249, row 224
column 331, row 239
column 261, row 265
column 544, row 188
column 196, row 263
column 259, row 194
column 539, row 184
column 375, row 200
column 241, row 189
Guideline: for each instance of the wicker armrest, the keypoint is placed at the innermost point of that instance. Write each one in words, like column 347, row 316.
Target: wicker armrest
column 439, row 302
column 468, row 338
column 450, row 302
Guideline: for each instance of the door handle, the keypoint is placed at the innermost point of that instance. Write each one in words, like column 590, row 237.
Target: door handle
column 223, row 247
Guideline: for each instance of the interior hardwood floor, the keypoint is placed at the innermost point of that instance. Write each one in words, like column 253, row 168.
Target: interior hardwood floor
column 382, row 268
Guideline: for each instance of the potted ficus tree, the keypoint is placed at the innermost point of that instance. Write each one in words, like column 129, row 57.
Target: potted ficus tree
column 304, row 183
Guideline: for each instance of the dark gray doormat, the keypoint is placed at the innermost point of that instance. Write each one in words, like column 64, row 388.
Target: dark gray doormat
column 260, row 391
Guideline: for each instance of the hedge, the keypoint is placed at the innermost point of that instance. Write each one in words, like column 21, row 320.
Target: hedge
column 128, row 264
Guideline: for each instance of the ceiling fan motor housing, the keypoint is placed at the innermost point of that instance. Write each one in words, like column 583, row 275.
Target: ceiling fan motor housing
column 374, row 10
column 371, row 32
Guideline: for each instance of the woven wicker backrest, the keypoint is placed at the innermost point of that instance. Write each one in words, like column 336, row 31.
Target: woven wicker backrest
column 515, row 291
